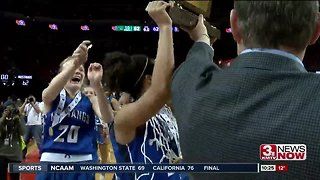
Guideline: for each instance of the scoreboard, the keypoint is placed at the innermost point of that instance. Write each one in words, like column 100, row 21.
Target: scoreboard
column 11, row 80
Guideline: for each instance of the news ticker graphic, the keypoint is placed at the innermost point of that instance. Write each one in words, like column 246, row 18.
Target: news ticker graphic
column 134, row 168
column 283, row 152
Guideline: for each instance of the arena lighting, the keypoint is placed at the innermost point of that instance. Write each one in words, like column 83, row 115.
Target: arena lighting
column 53, row 26
column 127, row 28
column 131, row 28
column 175, row 29
column 85, row 28
column 228, row 30
column 146, row 29
column 156, row 29
column 20, row 22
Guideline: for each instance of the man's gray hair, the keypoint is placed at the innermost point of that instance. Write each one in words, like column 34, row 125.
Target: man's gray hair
column 271, row 24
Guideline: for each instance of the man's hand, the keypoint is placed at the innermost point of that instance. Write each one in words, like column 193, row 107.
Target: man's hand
column 199, row 33
column 95, row 73
column 157, row 11
column 80, row 55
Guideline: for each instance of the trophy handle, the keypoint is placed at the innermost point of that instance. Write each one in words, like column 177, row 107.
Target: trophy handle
column 187, row 19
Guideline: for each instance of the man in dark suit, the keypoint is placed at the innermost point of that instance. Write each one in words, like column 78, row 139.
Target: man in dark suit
column 265, row 97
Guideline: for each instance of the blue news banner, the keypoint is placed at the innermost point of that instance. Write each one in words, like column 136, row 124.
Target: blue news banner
column 134, row 168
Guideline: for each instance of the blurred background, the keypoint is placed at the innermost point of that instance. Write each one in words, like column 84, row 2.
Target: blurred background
column 37, row 35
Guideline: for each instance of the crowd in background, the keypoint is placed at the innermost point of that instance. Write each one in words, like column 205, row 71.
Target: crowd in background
column 224, row 114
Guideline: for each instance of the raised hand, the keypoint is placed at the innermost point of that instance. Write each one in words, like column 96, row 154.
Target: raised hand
column 157, row 11
column 197, row 32
column 80, row 55
column 95, row 73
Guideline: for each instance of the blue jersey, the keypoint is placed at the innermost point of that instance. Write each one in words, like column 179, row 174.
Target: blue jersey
column 73, row 134
column 97, row 139
column 156, row 142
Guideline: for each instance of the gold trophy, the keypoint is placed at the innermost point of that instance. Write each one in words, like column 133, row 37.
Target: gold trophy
column 185, row 18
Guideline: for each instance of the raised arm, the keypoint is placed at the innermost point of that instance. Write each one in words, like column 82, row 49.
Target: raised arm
column 197, row 67
column 99, row 102
column 78, row 58
column 200, row 56
column 36, row 107
column 34, row 104
column 135, row 114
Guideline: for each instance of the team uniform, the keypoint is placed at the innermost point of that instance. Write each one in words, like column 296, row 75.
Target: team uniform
column 97, row 139
column 99, row 124
column 68, row 130
column 156, row 142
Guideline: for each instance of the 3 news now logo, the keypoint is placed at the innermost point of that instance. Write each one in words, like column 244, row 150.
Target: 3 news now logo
column 283, row 152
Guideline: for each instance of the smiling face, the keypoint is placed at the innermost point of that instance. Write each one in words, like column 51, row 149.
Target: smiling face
column 75, row 82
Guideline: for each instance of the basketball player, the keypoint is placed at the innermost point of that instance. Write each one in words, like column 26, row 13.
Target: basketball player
column 88, row 91
column 101, row 136
column 70, row 116
column 145, row 130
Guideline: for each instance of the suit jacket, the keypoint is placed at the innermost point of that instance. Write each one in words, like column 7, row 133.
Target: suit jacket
column 224, row 115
